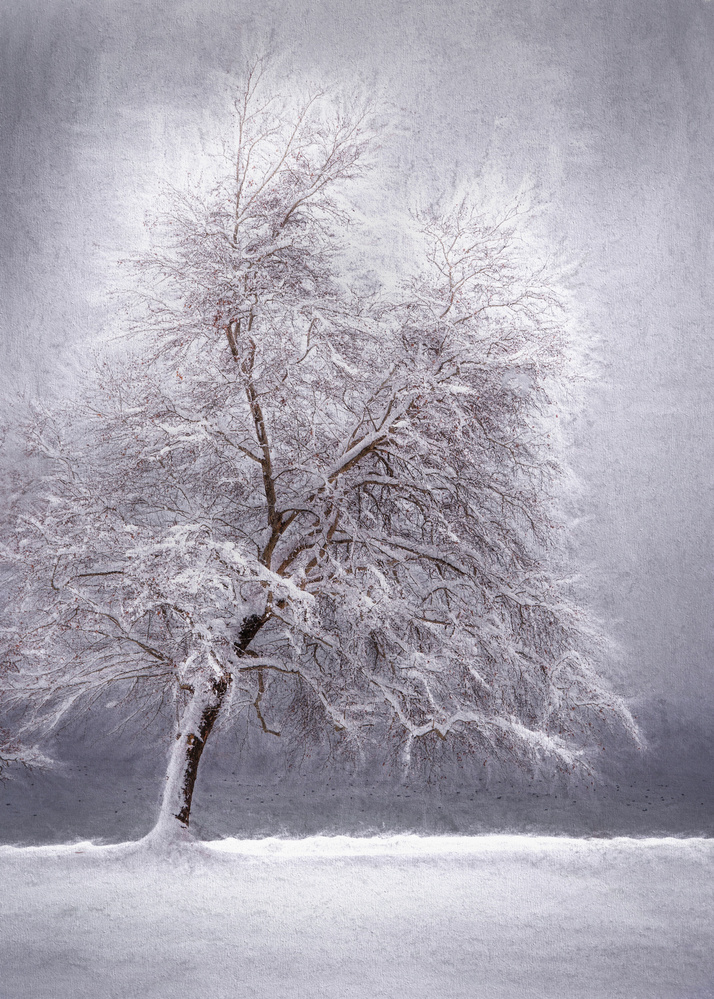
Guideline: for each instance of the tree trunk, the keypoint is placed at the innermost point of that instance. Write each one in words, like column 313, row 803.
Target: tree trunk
column 193, row 731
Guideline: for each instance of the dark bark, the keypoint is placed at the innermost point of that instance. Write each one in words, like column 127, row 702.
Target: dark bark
column 197, row 724
column 196, row 742
column 249, row 629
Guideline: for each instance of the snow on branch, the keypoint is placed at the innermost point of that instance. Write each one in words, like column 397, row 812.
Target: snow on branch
column 339, row 504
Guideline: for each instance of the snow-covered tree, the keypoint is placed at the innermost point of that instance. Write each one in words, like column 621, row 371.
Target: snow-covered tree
column 329, row 507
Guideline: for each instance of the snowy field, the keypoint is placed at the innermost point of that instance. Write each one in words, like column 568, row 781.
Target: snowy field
column 399, row 917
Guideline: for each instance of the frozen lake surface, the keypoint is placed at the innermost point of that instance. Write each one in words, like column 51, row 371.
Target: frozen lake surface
column 392, row 917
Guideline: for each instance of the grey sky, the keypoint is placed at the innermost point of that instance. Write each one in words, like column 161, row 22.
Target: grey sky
column 606, row 106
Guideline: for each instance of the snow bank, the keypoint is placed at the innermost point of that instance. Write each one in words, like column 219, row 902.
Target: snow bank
column 392, row 917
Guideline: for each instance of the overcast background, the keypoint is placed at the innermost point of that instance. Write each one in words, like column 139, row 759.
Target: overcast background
column 608, row 108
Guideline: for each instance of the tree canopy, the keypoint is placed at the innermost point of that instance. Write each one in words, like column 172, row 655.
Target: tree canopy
column 317, row 499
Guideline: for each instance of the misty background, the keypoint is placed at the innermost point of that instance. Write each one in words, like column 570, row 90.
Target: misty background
column 607, row 109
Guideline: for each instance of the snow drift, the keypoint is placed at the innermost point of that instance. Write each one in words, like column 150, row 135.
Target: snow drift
column 492, row 916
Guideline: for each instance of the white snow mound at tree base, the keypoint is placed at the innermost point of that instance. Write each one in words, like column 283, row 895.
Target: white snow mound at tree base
column 391, row 917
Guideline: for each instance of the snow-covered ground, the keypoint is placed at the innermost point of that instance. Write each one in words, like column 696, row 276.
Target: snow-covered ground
column 398, row 917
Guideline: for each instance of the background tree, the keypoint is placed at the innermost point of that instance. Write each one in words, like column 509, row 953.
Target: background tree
column 329, row 507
